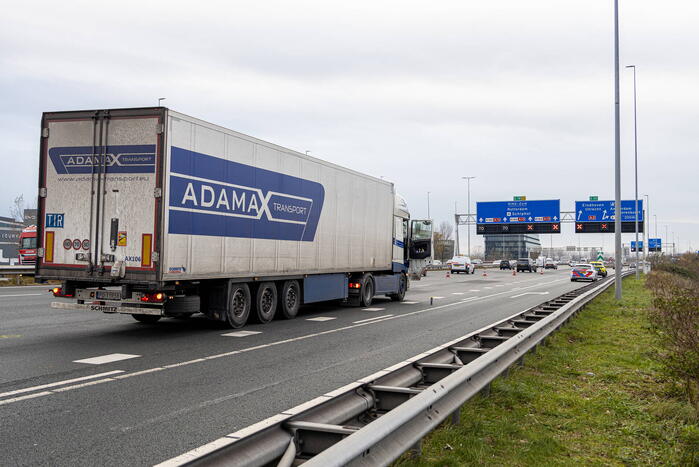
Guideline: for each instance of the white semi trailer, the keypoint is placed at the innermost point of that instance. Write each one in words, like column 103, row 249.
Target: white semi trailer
column 153, row 213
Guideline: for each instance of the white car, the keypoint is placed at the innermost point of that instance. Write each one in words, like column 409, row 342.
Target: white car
column 583, row 272
column 461, row 264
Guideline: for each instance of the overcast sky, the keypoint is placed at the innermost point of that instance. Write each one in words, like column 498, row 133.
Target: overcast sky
column 518, row 94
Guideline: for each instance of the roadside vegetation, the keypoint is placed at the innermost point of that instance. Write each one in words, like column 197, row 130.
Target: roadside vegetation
column 616, row 386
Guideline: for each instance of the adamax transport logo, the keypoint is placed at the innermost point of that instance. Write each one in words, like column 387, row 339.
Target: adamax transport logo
column 217, row 197
column 137, row 158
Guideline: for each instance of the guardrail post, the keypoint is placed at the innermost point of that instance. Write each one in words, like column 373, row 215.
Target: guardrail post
column 456, row 416
column 19, row 279
column 416, row 449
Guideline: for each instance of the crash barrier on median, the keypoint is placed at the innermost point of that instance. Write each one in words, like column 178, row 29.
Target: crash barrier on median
column 376, row 419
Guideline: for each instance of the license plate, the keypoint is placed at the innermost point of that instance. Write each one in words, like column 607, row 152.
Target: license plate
column 103, row 308
column 108, row 294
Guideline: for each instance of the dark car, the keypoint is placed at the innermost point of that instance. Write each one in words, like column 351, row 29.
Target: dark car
column 504, row 264
column 526, row 264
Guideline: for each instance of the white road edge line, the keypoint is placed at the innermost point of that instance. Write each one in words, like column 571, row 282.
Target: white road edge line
column 293, row 339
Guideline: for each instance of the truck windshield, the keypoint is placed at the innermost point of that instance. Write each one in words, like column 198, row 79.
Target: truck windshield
column 422, row 230
column 29, row 242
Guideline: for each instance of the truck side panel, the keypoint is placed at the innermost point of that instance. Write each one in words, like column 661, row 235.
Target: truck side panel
column 240, row 207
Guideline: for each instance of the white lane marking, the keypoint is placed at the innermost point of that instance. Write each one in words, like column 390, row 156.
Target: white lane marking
column 299, row 338
column 529, row 293
column 457, row 293
column 102, row 359
column 59, row 383
column 409, row 303
column 373, row 309
column 475, row 290
column 321, row 318
column 500, row 285
column 486, row 288
column 22, row 295
column 436, row 297
column 370, row 319
column 83, row 385
column 241, row 333
column 469, row 298
column 28, row 396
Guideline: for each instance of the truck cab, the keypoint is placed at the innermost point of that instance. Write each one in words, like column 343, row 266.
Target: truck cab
column 27, row 245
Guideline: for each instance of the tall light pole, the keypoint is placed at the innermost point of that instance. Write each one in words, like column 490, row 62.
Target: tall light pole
column 655, row 217
column 617, row 160
column 428, row 205
column 646, row 231
column 635, row 159
column 468, row 211
column 160, row 99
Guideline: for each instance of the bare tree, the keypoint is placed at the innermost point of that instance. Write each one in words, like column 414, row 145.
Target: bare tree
column 445, row 230
column 17, row 209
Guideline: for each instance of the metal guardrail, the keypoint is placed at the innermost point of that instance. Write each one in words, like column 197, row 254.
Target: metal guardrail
column 376, row 419
column 24, row 269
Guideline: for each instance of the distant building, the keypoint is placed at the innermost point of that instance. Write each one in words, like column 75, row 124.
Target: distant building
column 30, row 217
column 511, row 246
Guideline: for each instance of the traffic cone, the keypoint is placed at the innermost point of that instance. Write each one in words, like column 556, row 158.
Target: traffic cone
column 514, row 272
column 485, row 273
column 448, row 274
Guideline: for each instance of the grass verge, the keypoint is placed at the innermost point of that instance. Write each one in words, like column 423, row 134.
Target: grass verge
column 594, row 394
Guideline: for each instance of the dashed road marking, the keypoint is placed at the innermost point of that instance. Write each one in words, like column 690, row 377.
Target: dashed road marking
column 321, row 318
column 457, row 293
column 241, row 333
column 102, row 359
column 373, row 309
column 409, row 303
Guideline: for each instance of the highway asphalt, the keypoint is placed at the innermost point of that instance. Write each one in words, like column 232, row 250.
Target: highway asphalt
column 84, row 389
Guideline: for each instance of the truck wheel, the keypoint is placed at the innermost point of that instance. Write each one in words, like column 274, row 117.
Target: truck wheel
column 238, row 309
column 290, row 299
column 265, row 302
column 367, row 291
column 148, row 319
column 402, row 287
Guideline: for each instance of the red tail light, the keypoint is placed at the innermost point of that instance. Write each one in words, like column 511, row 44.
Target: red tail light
column 58, row 292
column 156, row 297
column 355, row 285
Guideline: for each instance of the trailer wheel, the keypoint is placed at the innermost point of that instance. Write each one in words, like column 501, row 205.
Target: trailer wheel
column 367, row 294
column 289, row 299
column 148, row 319
column 402, row 288
column 265, row 302
column 238, row 309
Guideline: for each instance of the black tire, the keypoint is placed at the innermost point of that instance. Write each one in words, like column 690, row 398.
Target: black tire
column 265, row 302
column 474, row 271
column 147, row 319
column 238, row 306
column 402, row 288
column 572, row 280
column 367, row 291
column 289, row 299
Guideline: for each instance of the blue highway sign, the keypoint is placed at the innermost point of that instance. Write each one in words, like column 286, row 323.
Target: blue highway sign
column 518, row 212
column 603, row 211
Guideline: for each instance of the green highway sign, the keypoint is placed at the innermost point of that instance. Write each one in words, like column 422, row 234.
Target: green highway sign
column 520, row 198
column 594, row 198
column 600, row 257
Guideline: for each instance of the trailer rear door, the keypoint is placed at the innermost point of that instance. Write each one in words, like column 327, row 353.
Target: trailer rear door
column 99, row 194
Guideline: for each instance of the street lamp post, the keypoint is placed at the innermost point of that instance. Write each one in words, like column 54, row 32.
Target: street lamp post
column 428, row 205
column 617, row 160
column 646, row 231
column 468, row 211
column 160, row 99
column 635, row 158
